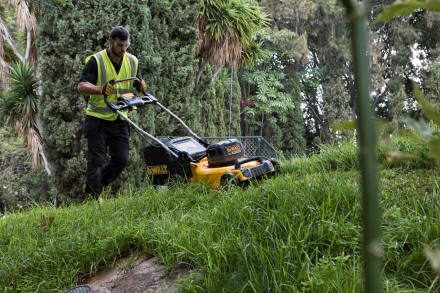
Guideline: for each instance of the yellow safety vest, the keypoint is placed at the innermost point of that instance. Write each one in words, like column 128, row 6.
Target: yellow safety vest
column 106, row 73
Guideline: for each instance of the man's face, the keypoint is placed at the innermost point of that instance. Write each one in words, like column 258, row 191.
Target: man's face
column 118, row 47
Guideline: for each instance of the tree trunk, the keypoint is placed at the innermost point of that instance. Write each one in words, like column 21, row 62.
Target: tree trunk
column 41, row 153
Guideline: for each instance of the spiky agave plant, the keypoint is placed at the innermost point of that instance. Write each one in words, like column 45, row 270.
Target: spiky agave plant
column 23, row 90
column 19, row 108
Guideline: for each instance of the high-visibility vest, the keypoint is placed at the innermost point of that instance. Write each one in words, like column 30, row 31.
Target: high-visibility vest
column 106, row 72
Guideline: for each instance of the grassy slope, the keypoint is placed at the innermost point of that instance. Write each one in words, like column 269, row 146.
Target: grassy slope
column 300, row 231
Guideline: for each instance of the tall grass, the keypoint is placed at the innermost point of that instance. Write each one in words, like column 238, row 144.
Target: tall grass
column 299, row 232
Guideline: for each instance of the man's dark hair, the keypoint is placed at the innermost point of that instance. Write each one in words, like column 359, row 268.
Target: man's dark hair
column 119, row 32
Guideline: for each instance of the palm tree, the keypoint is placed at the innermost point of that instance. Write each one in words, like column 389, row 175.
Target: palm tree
column 24, row 30
column 227, row 29
column 18, row 104
column 18, row 108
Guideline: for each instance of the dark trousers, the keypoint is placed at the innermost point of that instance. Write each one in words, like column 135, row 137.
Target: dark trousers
column 108, row 150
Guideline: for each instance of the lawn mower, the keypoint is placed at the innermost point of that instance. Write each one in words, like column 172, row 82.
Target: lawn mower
column 191, row 159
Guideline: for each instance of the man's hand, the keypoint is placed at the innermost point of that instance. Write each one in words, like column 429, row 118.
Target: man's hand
column 106, row 89
column 141, row 86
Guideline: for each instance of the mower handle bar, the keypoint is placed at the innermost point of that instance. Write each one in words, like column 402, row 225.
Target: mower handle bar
column 139, row 101
column 113, row 82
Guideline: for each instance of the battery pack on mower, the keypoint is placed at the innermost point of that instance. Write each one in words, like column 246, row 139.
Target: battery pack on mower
column 224, row 153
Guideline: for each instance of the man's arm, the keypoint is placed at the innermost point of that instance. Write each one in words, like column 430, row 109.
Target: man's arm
column 139, row 74
column 88, row 88
column 89, row 77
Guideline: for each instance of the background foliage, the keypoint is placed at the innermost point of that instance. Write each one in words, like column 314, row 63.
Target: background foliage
column 303, row 67
column 20, row 185
column 163, row 38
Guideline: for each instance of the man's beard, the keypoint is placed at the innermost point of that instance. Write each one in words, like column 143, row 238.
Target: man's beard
column 117, row 54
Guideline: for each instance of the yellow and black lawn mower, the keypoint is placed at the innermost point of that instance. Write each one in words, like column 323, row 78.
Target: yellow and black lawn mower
column 190, row 158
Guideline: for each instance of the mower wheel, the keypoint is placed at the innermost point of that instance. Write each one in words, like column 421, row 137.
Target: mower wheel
column 277, row 167
column 175, row 179
column 228, row 181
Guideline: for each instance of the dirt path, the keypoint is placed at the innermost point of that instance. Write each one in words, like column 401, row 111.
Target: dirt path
column 129, row 276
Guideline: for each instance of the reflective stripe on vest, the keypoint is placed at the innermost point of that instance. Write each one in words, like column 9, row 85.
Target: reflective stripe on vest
column 106, row 73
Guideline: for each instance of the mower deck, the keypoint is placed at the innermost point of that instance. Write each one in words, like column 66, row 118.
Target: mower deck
column 229, row 175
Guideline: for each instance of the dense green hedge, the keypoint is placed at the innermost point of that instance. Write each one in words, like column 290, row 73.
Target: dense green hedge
column 163, row 38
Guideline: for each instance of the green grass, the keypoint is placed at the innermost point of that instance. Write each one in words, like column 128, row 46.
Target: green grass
column 298, row 232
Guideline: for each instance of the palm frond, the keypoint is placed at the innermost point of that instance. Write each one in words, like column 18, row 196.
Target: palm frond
column 23, row 88
column 34, row 142
column 32, row 138
column 3, row 65
column 19, row 103
column 226, row 29
column 2, row 32
column 26, row 21
column 8, row 107
column 253, row 55
column 19, row 129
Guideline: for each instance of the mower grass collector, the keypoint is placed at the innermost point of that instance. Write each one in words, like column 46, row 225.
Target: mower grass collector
column 192, row 159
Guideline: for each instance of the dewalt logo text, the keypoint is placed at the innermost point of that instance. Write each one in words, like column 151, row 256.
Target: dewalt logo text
column 157, row 170
column 233, row 149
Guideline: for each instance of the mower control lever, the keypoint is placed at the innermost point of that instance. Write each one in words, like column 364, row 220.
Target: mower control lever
column 113, row 82
column 131, row 103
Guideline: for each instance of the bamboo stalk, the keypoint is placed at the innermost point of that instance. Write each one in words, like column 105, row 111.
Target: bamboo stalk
column 372, row 251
